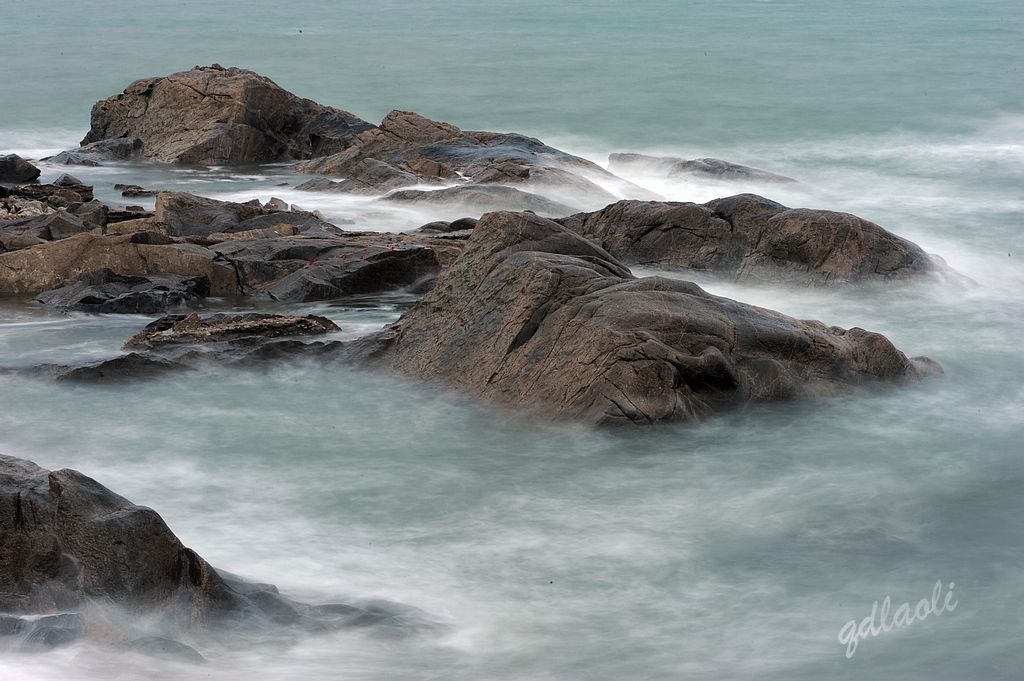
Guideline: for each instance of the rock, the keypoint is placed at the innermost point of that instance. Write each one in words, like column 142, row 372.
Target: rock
column 478, row 199
column 191, row 329
column 166, row 649
column 216, row 115
column 15, row 169
column 94, row 154
column 534, row 316
column 47, row 632
column 132, row 366
column 187, row 214
column 104, row 291
column 671, row 166
column 134, row 190
column 67, row 542
column 750, row 238
column 52, row 265
column 276, row 205
column 442, row 227
column 408, row 149
column 369, row 270
column 56, row 196
column 184, row 214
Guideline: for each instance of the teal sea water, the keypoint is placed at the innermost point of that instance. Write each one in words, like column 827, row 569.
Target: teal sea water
column 733, row 550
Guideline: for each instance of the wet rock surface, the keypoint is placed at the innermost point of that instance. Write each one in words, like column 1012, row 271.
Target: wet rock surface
column 105, row 291
column 15, row 169
column 671, row 166
column 534, row 316
column 214, row 115
column 750, row 238
column 219, row 328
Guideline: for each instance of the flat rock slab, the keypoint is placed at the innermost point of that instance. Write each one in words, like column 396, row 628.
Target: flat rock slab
column 534, row 316
column 672, row 166
column 192, row 329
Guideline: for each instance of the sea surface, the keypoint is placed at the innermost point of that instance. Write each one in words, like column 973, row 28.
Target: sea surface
column 737, row 549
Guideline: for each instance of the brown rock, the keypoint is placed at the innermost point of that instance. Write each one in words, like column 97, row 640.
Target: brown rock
column 536, row 317
column 191, row 329
column 212, row 115
column 750, row 238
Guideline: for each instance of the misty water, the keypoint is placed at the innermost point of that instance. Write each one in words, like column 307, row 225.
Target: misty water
column 736, row 549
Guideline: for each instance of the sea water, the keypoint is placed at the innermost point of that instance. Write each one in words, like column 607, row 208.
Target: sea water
column 737, row 549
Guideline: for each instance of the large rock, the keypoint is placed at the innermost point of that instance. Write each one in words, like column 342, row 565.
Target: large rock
column 68, row 543
column 65, row 539
column 182, row 214
column 105, row 291
column 408, row 149
column 750, row 238
column 15, row 169
column 97, row 153
column 534, row 316
column 671, row 166
column 214, row 115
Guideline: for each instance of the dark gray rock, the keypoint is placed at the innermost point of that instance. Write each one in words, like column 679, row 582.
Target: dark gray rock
column 98, row 153
column 15, row 169
column 478, row 199
column 172, row 330
column 671, row 166
column 130, row 367
column 105, row 291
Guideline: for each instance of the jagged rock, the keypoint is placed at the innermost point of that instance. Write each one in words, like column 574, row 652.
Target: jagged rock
column 130, row 367
column 408, row 149
column 191, row 329
column 534, row 316
column 442, row 227
column 105, row 291
column 184, row 214
column 671, row 166
column 49, row 226
column 214, row 115
column 134, row 190
column 478, row 199
column 748, row 237
column 56, row 196
column 14, row 168
column 366, row 270
column 94, row 154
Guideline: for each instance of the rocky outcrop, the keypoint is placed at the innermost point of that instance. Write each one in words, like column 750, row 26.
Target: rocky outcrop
column 98, row 153
column 671, row 166
column 68, row 543
column 750, row 238
column 477, row 199
column 181, row 214
column 409, row 149
column 243, row 329
column 51, row 265
column 33, row 213
column 215, row 115
column 15, row 170
column 534, row 316
column 105, row 291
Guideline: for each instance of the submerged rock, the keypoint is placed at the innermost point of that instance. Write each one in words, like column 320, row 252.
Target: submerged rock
column 192, row 329
column 213, row 115
column 15, row 169
column 478, row 199
column 750, row 238
column 105, row 291
column 534, row 316
column 671, row 166
column 130, row 367
column 67, row 543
